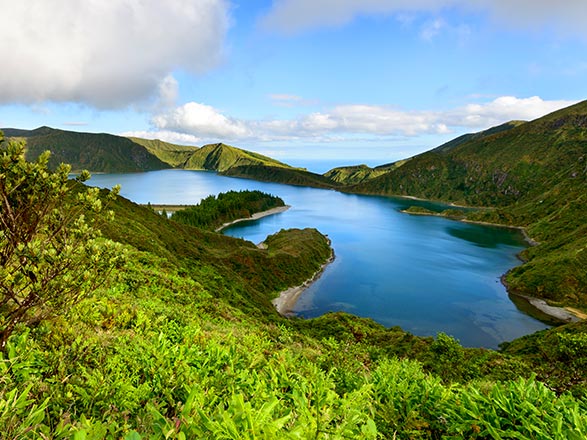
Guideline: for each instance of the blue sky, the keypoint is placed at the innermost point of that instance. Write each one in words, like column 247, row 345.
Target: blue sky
column 351, row 81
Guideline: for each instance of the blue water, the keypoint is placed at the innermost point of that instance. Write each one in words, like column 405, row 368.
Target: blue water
column 425, row 274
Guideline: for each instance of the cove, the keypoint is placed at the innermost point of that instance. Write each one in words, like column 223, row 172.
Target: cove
column 424, row 274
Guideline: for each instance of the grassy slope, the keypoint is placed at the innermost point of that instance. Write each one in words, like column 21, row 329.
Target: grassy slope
column 353, row 175
column 220, row 157
column 94, row 152
column 476, row 136
column 501, row 169
column 245, row 269
column 174, row 155
column 183, row 341
column 359, row 173
column 536, row 174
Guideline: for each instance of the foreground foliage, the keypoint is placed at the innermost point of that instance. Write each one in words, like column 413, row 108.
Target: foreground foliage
column 155, row 355
column 182, row 342
column 50, row 253
column 160, row 352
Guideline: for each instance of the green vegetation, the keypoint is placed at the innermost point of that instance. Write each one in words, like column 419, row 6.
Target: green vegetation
column 419, row 210
column 476, row 136
column 115, row 154
column 222, row 157
column 94, row 152
column 455, row 214
column 214, row 211
column 174, row 155
column 50, row 255
column 557, row 356
column 360, row 173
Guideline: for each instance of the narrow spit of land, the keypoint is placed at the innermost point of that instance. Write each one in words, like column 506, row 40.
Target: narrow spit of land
column 167, row 208
column 255, row 216
column 287, row 299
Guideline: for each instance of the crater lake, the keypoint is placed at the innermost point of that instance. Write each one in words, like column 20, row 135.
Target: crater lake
column 425, row 274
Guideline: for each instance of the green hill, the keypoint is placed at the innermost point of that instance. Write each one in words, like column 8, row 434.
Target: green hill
column 221, row 157
column 106, row 153
column 351, row 175
column 535, row 174
column 174, row 155
column 356, row 174
column 475, row 136
column 215, row 211
column 496, row 169
column 95, row 152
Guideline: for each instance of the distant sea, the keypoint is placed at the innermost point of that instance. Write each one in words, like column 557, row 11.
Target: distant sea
column 320, row 166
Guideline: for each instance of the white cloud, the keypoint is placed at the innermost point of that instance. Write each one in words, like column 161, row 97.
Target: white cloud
column 167, row 136
column 289, row 16
column 352, row 121
column 201, row 120
column 168, row 90
column 503, row 109
column 293, row 15
column 75, row 123
column 104, row 53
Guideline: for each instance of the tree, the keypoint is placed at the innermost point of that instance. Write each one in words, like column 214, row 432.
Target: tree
column 51, row 254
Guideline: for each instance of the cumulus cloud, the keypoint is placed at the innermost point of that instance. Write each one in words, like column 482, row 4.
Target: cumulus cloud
column 168, row 91
column 104, row 53
column 202, row 120
column 345, row 122
column 290, row 16
column 167, row 136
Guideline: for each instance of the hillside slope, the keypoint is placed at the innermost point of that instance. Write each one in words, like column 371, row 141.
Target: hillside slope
column 498, row 169
column 447, row 146
column 95, row 152
column 174, row 155
column 221, row 157
column 354, row 174
column 182, row 342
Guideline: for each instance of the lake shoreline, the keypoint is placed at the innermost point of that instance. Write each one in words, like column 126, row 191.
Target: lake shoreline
column 527, row 237
column 255, row 216
column 563, row 315
column 536, row 307
column 288, row 298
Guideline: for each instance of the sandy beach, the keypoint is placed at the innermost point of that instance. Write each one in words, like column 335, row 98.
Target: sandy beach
column 287, row 299
column 561, row 314
column 255, row 216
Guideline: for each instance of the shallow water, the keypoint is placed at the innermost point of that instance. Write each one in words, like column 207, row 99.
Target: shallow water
column 425, row 274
